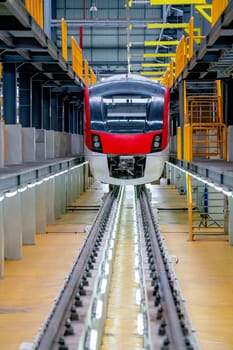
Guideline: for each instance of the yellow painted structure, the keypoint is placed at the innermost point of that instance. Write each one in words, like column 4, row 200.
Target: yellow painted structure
column 86, row 72
column 154, row 72
column 217, row 9
column 205, row 134
column 166, row 25
column 190, row 205
column 177, row 2
column 36, row 9
column 151, row 55
column 161, row 42
column 155, row 64
column 64, row 39
column 179, row 143
column 77, row 58
column 92, row 76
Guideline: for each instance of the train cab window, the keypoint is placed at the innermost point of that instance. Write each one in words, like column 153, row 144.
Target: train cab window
column 125, row 114
column 132, row 108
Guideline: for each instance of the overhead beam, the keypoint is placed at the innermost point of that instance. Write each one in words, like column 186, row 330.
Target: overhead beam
column 155, row 43
column 166, row 25
column 177, row 2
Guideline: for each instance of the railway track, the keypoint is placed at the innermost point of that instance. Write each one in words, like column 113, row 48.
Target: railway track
column 122, row 289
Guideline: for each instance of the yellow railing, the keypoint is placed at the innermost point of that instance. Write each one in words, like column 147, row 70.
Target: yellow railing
column 209, row 140
column 92, row 76
column 180, row 56
column 204, row 109
column 77, row 58
column 205, row 135
column 185, row 48
column 86, row 73
column 179, row 143
column 187, row 143
column 218, row 6
column 36, row 9
column 80, row 66
column 1, row 108
column 190, row 205
column 64, row 39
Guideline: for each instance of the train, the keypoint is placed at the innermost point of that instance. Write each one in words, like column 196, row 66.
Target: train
column 126, row 136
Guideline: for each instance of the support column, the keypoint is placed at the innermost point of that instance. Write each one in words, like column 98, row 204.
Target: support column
column 46, row 108
column 70, row 180
column 81, row 181
column 25, row 88
column 85, row 180
column 28, row 207
column 41, row 208
column 74, row 185
column 14, row 153
column 13, row 226
column 40, row 145
column 25, row 115
column 9, row 93
column 75, row 119
column 29, row 144
column 50, row 201
column 50, row 144
column 66, row 116
column 230, row 226
column 2, row 145
column 54, row 108
column 190, row 205
column 71, row 118
column 77, row 183
column 230, row 143
column 60, row 195
column 60, row 113
column 171, row 174
column 13, row 131
column 2, row 258
column 37, row 109
column 63, row 192
column 180, row 181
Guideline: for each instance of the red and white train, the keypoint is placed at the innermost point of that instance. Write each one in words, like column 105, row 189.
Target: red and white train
column 126, row 129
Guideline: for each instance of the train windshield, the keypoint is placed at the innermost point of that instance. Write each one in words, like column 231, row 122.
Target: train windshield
column 125, row 112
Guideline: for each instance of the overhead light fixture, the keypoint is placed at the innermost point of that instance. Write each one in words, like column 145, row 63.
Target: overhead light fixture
column 93, row 8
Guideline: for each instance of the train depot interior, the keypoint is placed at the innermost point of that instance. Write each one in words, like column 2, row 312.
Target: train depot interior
column 51, row 52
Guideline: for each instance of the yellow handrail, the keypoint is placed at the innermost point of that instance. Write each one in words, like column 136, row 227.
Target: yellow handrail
column 217, row 8
column 36, row 9
column 92, row 75
column 77, row 58
column 64, row 39
column 86, row 73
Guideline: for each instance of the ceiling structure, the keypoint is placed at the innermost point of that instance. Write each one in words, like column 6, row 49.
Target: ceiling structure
column 116, row 38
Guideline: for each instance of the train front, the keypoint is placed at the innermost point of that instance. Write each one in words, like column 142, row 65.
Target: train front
column 126, row 130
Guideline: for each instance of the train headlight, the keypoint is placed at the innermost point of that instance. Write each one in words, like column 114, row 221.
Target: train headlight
column 96, row 143
column 156, row 143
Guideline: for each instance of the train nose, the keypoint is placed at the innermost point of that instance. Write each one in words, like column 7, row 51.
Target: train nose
column 127, row 167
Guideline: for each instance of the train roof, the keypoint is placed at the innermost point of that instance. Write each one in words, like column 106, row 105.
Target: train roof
column 129, row 78
column 126, row 77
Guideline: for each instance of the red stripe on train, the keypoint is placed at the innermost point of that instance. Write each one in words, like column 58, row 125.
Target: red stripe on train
column 128, row 143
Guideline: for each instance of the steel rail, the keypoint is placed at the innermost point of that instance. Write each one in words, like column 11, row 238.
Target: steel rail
column 59, row 314
column 175, row 329
column 166, row 323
